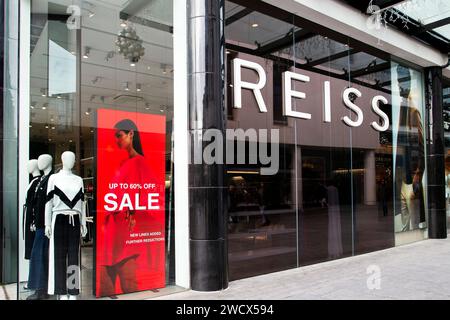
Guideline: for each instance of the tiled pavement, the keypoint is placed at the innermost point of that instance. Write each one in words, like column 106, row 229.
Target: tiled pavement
column 416, row 271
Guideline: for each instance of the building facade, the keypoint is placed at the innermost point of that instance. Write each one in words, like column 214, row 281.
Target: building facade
column 166, row 145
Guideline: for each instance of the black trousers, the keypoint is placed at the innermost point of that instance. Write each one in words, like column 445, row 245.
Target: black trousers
column 38, row 274
column 66, row 235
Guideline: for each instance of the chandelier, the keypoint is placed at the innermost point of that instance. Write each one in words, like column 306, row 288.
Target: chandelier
column 130, row 45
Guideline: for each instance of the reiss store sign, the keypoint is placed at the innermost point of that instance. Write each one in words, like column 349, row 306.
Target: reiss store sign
column 289, row 93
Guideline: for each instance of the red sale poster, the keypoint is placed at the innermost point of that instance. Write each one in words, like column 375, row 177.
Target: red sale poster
column 130, row 225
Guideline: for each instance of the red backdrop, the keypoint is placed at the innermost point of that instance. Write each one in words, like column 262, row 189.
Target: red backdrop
column 139, row 177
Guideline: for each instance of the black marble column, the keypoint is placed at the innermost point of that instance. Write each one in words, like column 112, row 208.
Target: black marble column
column 437, row 228
column 207, row 192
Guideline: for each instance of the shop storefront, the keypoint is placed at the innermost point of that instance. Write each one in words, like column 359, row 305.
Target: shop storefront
column 349, row 181
column 163, row 147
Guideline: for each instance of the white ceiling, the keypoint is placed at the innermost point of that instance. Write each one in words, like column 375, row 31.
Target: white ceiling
column 268, row 29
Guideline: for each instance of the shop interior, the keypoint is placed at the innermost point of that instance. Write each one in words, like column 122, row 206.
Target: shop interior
column 115, row 55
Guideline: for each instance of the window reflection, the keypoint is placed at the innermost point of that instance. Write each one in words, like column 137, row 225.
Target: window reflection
column 339, row 189
column 409, row 152
column 81, row 65
column 446, row 119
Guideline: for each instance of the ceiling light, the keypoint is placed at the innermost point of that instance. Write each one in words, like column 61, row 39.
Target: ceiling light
column 138, row 87
column 31, row 106
column 110, row 55
column 43, row 92
column 31, row 126
column 46, row 126
column 96, row 79
column 92, row 130
column 70, row 141
column 58, row 96
column 132, row 64
column 88, row 111
column 51, row 119
column 89, row 9
column 164, row 68
column 127, row 88
column 129, row 44
column 87, row 51
column 53, row 128
column 49, row 139
column 123, row 24
column 44, row 106
column 255, row 25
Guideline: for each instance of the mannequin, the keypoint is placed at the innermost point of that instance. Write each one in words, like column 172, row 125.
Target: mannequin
column 32, row 168
column 28, row 230
column 65, row 220
column 38, row 274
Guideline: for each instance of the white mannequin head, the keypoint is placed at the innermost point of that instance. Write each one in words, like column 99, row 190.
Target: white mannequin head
column 32, row 167
column 45, row 163
column 68, row 160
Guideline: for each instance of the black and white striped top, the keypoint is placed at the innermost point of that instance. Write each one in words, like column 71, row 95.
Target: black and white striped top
column 65, row 192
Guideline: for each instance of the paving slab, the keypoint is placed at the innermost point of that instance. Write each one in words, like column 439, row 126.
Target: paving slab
column 414, row 271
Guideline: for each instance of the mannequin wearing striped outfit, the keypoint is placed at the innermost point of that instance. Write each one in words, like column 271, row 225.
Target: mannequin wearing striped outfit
column 65, row 221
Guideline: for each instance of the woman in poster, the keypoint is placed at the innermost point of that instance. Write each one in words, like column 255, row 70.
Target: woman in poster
column 122, row 255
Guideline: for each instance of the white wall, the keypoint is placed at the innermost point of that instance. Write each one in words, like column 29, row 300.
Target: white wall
column 24, row 121
column 180, row 153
